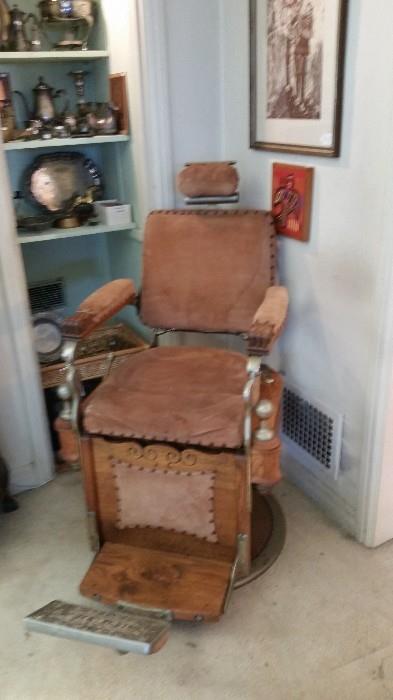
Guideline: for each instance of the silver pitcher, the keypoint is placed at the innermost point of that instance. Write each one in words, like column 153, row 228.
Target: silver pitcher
column 44, row 109
column 17, row 37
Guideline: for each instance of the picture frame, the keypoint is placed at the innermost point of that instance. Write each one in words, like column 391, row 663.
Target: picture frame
column 297, row 53
column 119, row 97
column 292, row 187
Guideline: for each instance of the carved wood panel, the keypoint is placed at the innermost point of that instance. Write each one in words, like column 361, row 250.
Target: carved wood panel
column 229, row 491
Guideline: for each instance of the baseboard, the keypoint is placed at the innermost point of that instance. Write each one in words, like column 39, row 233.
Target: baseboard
column 339, row 510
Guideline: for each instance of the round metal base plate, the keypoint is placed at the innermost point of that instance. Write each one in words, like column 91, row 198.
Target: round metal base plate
column 268, row 535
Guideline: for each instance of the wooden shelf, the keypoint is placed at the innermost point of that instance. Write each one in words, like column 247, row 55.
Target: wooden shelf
column 50, row 56
column 64, row 143
column 53, row 234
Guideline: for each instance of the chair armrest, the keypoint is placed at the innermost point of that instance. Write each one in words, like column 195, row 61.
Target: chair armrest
column 98, row 308
column 268, row 321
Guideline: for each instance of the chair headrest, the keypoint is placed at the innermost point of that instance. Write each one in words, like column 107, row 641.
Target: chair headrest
column 208, row 180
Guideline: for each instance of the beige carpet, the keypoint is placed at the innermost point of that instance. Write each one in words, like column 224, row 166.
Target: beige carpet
column 318, row 626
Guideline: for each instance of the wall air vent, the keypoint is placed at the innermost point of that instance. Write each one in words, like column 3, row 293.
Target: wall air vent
column 46, row 296
column 312, row 432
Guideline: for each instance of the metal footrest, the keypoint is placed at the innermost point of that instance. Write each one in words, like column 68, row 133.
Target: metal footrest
column 135, row 630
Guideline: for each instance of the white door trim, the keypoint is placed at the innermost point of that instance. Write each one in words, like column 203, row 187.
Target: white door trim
column 376, row 492
column 28, row 382
column 380, row 396
column 154, row 104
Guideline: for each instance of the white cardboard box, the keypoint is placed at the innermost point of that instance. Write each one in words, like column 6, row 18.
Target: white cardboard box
column 110, row 212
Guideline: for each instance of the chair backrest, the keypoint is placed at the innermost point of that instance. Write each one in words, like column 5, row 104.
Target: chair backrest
column 206, row 270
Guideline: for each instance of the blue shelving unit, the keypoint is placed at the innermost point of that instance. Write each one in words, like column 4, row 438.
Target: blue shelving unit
column 88, row 256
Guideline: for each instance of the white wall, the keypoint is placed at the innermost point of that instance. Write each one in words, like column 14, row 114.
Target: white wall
column 332, row 344
column 194, row 80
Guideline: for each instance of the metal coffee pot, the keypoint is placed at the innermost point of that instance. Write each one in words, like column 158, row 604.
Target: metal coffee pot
column 44, row 109
column 17, row 38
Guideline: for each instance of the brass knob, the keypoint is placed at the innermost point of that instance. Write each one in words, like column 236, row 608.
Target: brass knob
column 264, row 410
column 264, row 434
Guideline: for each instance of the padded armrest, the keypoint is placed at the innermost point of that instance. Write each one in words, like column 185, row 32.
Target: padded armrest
column 268, row 321
column 99, row 307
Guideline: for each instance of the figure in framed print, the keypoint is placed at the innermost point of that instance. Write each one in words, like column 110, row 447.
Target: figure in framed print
column 291, row 200
column 297, row 55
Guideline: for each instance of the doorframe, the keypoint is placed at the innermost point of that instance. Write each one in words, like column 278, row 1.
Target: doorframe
column 376, row 492
column 375, row 507
column 20, row 329
column 151, row 106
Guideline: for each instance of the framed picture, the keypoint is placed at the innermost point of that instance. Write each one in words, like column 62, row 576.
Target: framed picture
column 119, row 97
column 291, row 200
column 297, row 50
column 5, row 89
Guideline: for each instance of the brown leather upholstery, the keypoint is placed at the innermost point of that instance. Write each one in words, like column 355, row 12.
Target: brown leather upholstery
column 268, row 321
column 176, row 394
column 206, row 270
column 265, row 463
column 208, row 179
column 99, row 307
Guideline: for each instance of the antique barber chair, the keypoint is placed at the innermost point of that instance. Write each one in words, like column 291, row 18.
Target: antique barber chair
column 178, row 443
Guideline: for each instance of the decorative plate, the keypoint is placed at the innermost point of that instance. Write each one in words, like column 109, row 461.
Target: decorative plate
column 54, row 181
column 48, row 339
column 35, row 224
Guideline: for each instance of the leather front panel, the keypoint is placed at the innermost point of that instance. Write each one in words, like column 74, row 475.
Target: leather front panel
column 180, row 501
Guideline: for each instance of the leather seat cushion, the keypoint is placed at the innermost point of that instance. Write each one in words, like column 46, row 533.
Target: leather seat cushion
column 173, row 394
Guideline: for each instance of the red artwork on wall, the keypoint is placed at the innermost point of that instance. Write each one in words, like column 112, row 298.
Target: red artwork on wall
column 291, row 204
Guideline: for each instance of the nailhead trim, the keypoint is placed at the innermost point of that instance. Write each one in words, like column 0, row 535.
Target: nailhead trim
column 152, row 470
column 211, row 212
column 162, row 438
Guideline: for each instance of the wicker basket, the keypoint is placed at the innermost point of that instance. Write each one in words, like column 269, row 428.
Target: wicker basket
column 104, row 350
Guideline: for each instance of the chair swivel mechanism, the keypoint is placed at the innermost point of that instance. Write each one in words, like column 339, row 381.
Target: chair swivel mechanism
column 178, row 443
